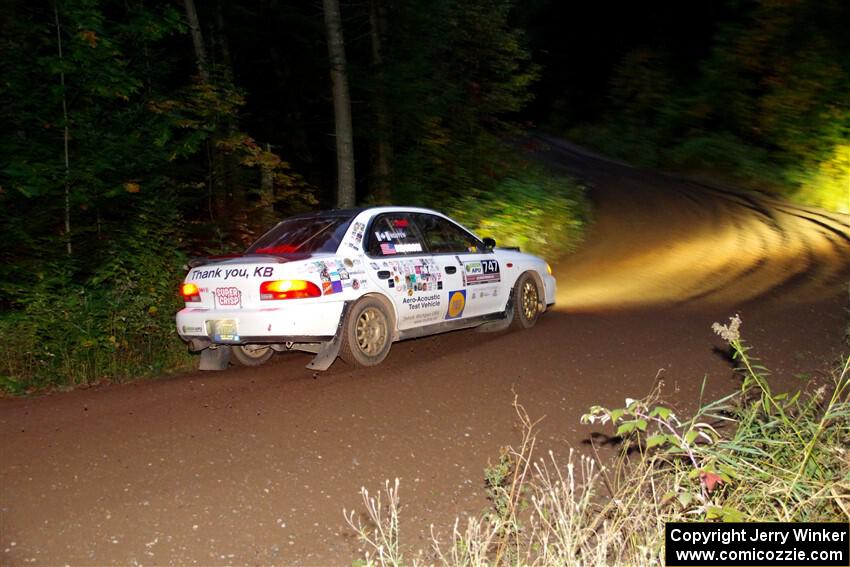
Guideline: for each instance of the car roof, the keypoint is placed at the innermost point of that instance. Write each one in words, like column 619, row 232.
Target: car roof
column 353, row 212
column 396, row 208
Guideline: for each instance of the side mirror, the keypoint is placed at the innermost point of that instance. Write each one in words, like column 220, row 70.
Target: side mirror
column 489, row 243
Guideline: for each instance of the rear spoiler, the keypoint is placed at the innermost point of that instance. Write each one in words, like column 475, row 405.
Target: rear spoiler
column 204, row 260
column 242, row 258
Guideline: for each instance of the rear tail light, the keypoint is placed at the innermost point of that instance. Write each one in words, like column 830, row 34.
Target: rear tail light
column 190, row 292
column 288, row 289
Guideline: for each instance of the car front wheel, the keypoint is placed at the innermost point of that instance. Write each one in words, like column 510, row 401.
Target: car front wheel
column 367, row 333
column 526, row 302
column 251, row 355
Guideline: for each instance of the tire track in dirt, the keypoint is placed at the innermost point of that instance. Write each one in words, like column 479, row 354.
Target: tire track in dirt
column 697, row 243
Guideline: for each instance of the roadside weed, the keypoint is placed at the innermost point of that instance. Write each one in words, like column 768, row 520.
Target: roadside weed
column 753, row 455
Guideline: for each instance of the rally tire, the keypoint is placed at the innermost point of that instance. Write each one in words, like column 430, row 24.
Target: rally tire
column 367, row 333
column 526, row 302
column 251, row 355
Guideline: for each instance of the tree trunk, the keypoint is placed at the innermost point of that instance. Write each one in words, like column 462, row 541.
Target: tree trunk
column 235, row 189
column 197, row 40
column 383, row 146
column 345, row 196
column 266, row 214
column 223, row 43
column 66, row 136
column 217, row 174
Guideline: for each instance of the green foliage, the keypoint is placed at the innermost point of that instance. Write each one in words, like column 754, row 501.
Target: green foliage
column 118, row 323
column 827, row 184
column 451, row 93
column 768, row 107
column 778, row 457
column 467, row 70
column 105, row 70
column 716, row 153
column 72, row 73
column 151, row 155
column 497, row 483
column 532, row 208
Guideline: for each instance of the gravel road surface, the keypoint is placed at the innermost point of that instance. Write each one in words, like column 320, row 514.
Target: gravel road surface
column 254, row 466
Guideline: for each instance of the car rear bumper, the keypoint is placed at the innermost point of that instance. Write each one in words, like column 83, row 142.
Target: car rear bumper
column 313, row 322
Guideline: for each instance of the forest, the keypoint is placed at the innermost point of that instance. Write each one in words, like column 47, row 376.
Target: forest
column 138, row 134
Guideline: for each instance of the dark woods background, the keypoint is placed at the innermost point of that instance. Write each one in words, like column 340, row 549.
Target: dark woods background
column 134, row 137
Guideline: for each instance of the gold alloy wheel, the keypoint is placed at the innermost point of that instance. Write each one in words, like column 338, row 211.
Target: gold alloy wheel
column 529, row 300
column 371, row 331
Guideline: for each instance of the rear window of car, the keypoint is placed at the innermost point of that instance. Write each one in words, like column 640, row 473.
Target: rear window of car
column 303, row 235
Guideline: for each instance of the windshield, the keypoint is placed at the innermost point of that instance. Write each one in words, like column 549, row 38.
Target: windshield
column 303, row 235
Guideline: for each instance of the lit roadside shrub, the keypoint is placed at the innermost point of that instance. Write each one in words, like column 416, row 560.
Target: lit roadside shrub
column 494, row 190
column 828, row 184
column 532, row 209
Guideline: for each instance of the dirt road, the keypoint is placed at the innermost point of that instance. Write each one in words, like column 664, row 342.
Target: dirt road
column 255, row 466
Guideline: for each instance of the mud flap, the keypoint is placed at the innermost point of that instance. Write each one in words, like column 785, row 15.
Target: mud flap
column 500, row 324
column 214, row 358
column 329, row 350
column 495, row 326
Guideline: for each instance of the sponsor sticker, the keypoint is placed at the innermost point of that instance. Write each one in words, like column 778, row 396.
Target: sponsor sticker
column 331, row 287
column 457, row 303
column 481, row 272
column 357, row 234
column 407, row 248
column 331, row 272
column 389, row 248
column 387, row 235
column 228, row 296
column 422, row 301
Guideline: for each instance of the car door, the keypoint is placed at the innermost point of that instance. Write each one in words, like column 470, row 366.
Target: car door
column 407, row 272
column 452, row 246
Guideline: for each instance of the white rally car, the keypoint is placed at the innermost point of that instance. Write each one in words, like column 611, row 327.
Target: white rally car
column 349, row 283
